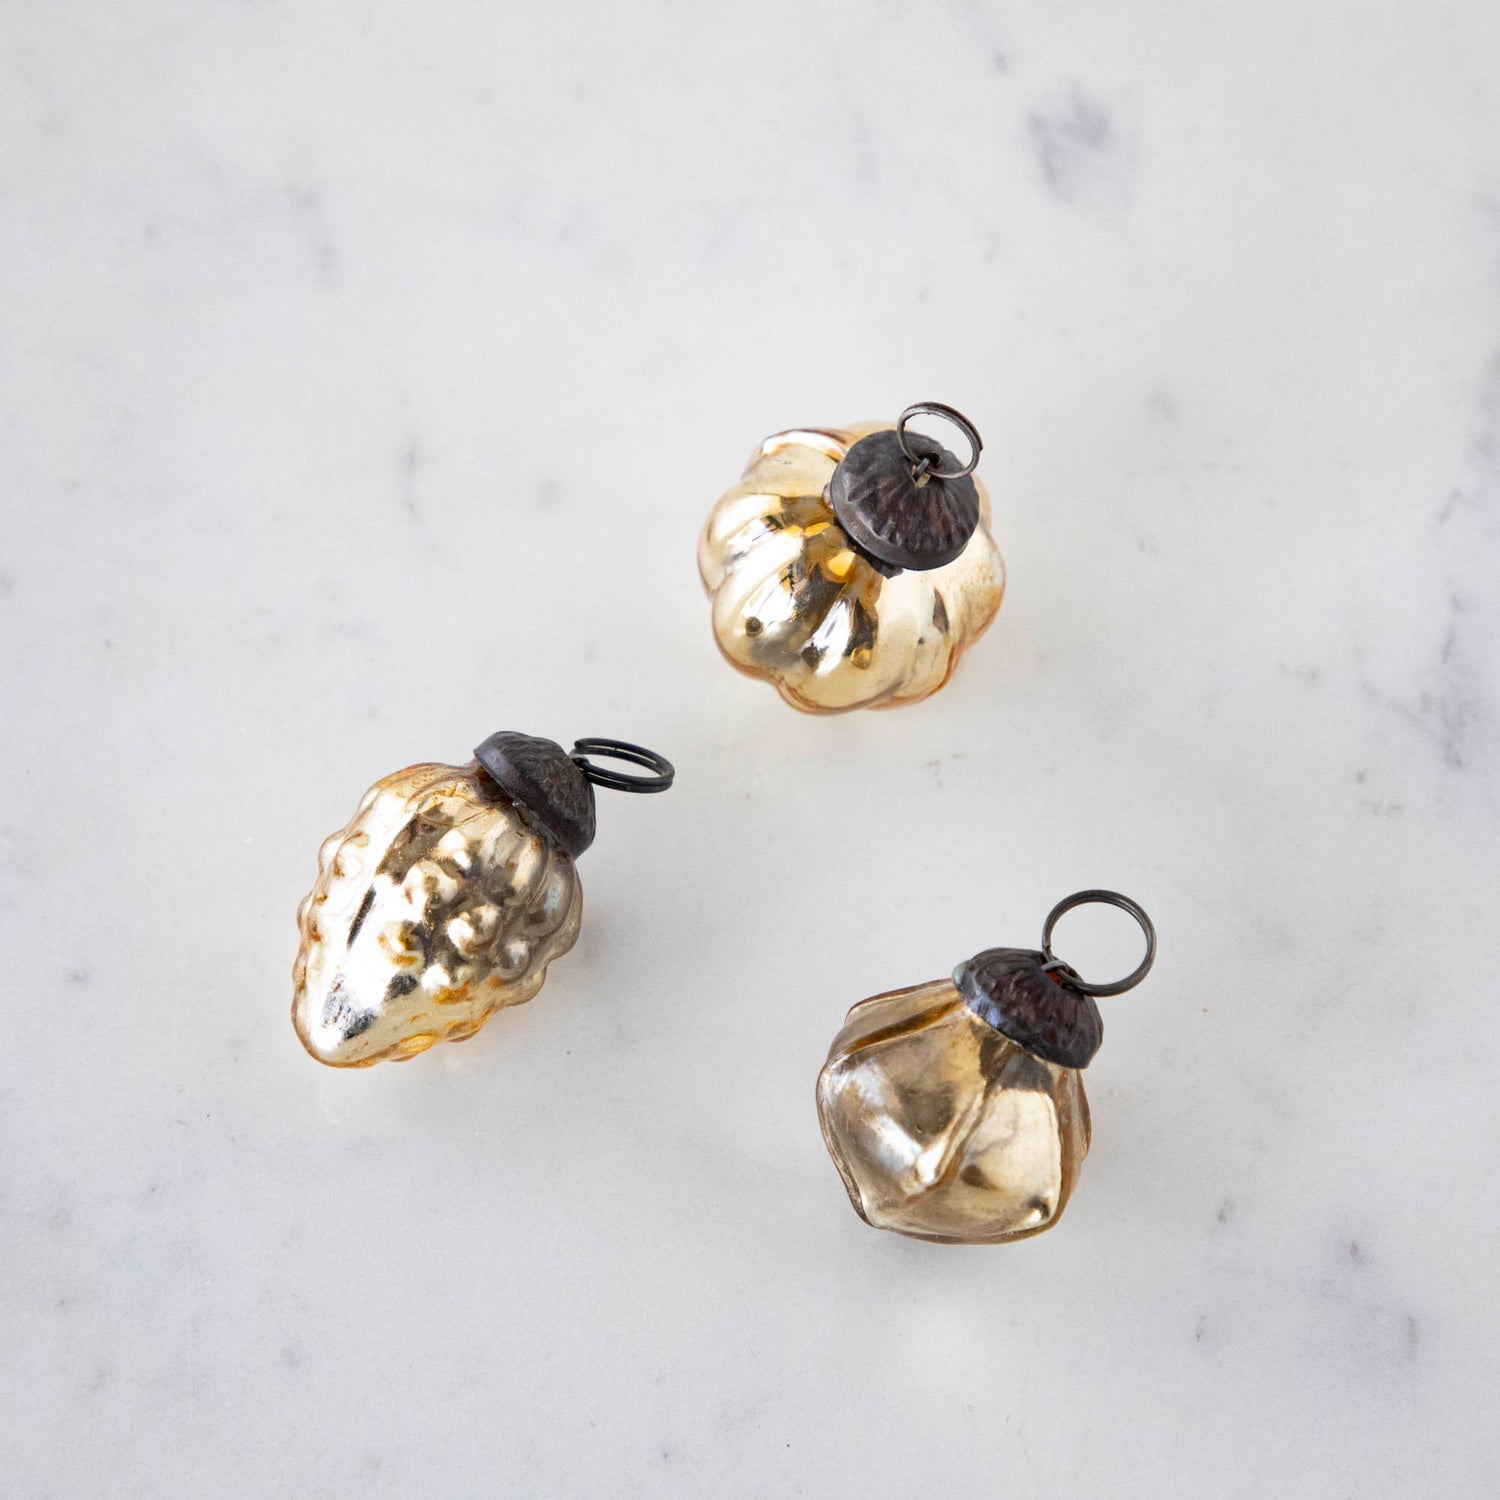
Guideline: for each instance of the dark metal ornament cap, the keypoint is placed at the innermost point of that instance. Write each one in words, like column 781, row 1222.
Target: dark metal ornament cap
column 541, row 776
column 1038, row 1009
column 893, row 519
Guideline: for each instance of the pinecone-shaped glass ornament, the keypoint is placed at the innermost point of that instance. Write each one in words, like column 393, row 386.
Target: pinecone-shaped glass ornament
column 447, row 894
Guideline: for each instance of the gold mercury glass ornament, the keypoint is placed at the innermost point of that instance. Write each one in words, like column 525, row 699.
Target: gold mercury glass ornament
column 447, row 894
column 955, row 1110
column 852, row 567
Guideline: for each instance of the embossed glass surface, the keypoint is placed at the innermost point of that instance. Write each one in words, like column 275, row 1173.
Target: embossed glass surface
column 435, row 906
column 944, row 1129
column 795, row 604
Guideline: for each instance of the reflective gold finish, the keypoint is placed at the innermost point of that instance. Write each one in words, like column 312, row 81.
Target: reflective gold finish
column 795, row 604
column 944, row 1129
column 439, row 903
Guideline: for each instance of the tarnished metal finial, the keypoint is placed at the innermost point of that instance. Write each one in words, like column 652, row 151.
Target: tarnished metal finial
column 904, row 501
column 557, row 786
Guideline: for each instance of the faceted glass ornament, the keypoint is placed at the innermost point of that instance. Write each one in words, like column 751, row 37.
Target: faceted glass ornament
column 945, row 1129
column 440, row 902
column 797, row 603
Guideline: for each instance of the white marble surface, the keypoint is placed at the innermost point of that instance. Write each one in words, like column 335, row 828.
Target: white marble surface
column 365, row 373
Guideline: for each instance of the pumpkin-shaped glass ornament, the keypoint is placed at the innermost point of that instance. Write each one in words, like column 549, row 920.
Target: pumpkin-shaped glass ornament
column 852, row 567
column 447, row 894
column 955, row 1110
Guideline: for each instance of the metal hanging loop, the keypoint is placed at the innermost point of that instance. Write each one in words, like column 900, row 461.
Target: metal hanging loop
column 619, row 781
column 921, row 463
column 1103, row 898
